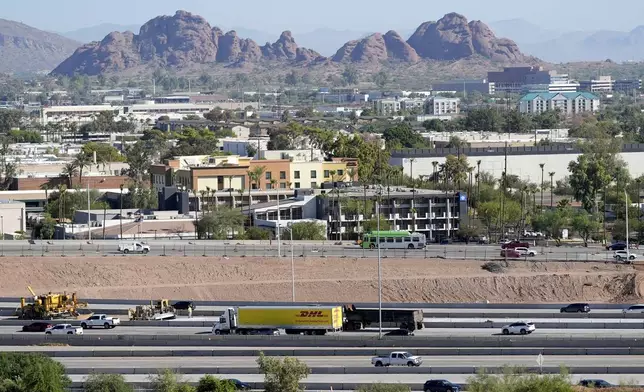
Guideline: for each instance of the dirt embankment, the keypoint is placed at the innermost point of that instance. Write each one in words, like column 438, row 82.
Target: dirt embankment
column 340, row 280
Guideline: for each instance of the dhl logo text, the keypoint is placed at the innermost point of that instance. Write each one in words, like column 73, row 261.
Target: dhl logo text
column 307, row 313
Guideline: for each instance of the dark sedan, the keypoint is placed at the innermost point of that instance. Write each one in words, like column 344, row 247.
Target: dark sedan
column 576, row 308
column 240, row 385
column 400, row 332
column 596, row 383
column 36, row 327
column 184, row 305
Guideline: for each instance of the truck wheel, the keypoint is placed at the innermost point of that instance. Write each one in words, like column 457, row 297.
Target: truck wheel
column 378, row 364
column 410, row 364
column 48, row 333
column 217, row 332
column 126, row 251
column 410, row 246
column 145, row 251
column 84, row 325
column 106, row 326
column 70, row 333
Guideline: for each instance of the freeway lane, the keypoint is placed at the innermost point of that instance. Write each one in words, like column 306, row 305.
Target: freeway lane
column 358, row 361
column 428, row 332
column 352, row 379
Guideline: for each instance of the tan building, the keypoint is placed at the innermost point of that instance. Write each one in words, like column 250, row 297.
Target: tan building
column 13, row 217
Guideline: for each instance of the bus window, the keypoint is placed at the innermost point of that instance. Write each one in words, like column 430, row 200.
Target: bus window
column 399, row 239
column 407, row 239
column 382, row 239
column 390, row 239
column 416, row 239
column 366, row 239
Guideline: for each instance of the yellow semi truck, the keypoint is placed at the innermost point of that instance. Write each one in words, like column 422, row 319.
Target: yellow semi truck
column 307, row 320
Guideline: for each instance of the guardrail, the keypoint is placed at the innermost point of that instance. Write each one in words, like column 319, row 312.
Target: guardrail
column 370, row 370
column 323, row 341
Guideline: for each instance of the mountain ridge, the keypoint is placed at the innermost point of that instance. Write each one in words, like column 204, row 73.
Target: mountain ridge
column 185, row 39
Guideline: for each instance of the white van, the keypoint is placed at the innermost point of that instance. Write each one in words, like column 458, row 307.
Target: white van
column 133, row 247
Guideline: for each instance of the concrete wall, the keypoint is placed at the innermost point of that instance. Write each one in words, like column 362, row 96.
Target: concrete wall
column 522, row 161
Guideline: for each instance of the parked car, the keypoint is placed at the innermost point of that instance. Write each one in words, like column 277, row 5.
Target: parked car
column 100, row 320
column 576, row 308
column 515, row 244
column 595, row 383
column 440, row 386
column 64, row 329
column 510, row 253
column 521, row 327
column 623, row 255
column 184, row 305
column 397, row 358
column 400, row 332
column 616, row 246
column 240, row 385
column 36, row 327
column 525, row 251
column 634, row 309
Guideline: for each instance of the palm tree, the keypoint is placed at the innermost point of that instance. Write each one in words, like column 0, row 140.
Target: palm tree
column 82, row 161
column 351, row 172
column 213, row 200
column 203, row 197
column 241, row 198
column 256, row 175
column 70, row 170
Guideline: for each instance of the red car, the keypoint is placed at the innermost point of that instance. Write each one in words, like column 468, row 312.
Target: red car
column 510, row 253
column 515, row 244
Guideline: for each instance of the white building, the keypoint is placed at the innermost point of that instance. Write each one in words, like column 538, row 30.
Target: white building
column 13, row 218
column 387, row 107
column 567, row 103
column 441, row 106
column 413, row 104
column 602, row 85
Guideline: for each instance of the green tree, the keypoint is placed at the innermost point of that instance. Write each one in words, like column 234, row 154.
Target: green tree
column 168, row 381
column 380, row 387
column 105, row 153
column 516, row 122
column 20, row 136
column 10, row 119
column 586, row 225
column 220, row 224
column 210, row 383
column 372, row 224
column 282, row 374
column 251, row 150
column 305, row 231
column 350, row 75
column 552, row 223
column 139, row 158
column 106, row 383
column 20, row 372
column 381, row 79
column 140, row 196
column 82, row 161
column 402, row 135
column 192, row 141
column 46, row 228
column 435, row 125
column 588, row 176
column 255, row 233
column 515, row 380
column 485, row 119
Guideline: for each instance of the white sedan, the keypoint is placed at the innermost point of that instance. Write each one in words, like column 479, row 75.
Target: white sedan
column 624, row 255
column 521, row 327
column 526, row 252
column 64, row 329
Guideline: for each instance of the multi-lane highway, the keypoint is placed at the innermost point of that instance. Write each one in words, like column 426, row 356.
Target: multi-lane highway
column 343, row 360
column 307, row 249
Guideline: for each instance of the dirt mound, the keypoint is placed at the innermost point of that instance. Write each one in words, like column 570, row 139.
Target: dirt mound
column 323, row 279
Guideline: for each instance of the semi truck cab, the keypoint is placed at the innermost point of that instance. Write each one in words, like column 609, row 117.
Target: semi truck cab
column 227, row 323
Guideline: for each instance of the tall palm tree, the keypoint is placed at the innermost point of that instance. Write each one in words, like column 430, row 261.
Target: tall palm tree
column 230, row 191
column 70, row 170
column 213, row 200
column 208, row 194
column 241, row 198
column 351, row 172
column 82, row 161
column 256, row 174
column 203, row 197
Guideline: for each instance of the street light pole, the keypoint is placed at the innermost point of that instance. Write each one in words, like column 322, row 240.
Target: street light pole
column 628, row 256
column 379, row 275
column 279, row 239
column 121, row 213
column 292, row 261
column 89, row 216
column 541, row 165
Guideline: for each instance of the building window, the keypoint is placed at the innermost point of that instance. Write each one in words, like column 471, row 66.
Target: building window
column 314, row 174
column 282, row 175
column 314, row 185
column 297, row 185
column 268, row 175
column 282, row 185
column 340, row 172
column 326, row 174
column 269, row 185
column 296, row 174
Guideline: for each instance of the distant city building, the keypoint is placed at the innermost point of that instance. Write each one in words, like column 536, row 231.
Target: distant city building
column 524, row 79
column 441, row 106
column 413, row 105
column 467, row 86
column 626, row 86
column 602, row 85
column 387, row 107
column 566, row 103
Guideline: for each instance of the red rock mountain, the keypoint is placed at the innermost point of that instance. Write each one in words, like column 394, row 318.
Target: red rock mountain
column 185, row 39
column 177, row 41
column 453, row 38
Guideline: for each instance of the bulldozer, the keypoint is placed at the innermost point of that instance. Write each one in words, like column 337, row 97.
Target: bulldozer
column 51, row 306
column 156, row 310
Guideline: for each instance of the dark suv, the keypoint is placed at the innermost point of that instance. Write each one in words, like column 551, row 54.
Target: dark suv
column 616, row 246
column 601, row 384
column 576, row 308
column 440, row 386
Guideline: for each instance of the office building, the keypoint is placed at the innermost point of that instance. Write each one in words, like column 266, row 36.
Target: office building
column 566, row 103
column 441, row 106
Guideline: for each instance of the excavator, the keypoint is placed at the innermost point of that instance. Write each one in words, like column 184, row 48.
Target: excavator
column 51, row 306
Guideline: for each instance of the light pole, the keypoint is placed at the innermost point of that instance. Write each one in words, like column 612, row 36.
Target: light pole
column 121, row 213
column 552, row 186
column 628, row 256
column 290, row 226
column 89, row 215
column 379, row 274
column 2, row 226
column 541, row 165
column 279, row 238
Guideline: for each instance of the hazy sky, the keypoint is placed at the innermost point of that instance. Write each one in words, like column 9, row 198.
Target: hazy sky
column 307, row 15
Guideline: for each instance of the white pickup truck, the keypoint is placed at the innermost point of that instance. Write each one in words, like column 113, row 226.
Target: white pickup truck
column 133, row 247
column 100, row 320
column 397, row 358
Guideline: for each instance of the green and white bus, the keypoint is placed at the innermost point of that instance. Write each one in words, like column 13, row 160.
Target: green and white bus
column 393, row 240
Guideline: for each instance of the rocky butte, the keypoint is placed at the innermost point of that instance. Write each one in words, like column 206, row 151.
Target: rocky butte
column 184, row 39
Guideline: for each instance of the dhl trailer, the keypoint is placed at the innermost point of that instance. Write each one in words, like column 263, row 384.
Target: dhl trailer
column 307, row 320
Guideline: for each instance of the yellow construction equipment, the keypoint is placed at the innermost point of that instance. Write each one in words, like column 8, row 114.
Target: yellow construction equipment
column 49, row 306
column 156, row 310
